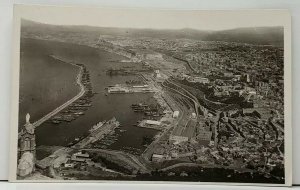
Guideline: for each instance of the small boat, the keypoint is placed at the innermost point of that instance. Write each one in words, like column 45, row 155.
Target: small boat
column 55, row 121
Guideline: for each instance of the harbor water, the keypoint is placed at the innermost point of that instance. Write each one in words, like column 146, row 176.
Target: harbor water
column 103, row 106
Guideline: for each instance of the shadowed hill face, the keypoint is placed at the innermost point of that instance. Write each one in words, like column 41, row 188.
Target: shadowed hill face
column 252, row 35
column 258, row 35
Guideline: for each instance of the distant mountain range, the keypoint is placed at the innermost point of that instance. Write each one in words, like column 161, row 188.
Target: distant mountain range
column 252, row 35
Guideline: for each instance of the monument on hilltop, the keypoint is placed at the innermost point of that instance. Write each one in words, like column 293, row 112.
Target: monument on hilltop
column 27, row 149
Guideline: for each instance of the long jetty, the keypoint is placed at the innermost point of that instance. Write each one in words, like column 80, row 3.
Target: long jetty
column 63, row 106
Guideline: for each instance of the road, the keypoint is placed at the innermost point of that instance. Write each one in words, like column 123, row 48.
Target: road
column 188, row 63
column 128, row 158
column 215, row 127
column 205, row 166
column 172, row 106
column 272, row 122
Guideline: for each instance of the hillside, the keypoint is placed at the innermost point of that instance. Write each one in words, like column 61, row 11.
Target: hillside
column 254, row 35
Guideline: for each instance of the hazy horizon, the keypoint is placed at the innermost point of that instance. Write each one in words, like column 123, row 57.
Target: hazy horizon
column 116, row 27
column 154, row 19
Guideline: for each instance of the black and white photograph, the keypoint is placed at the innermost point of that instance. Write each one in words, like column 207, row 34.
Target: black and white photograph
column 150, row 95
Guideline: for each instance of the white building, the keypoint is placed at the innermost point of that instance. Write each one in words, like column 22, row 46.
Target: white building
column 194, row 115
column 153, row 122
column 157, row 74
column 178, row 139
column 157, row 157
column 69, row 165
column 199, row 79
column 175, row 114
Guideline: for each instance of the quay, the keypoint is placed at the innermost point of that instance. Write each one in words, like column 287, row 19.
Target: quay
column 151, row 124
column 124, row 89
column 97, row 132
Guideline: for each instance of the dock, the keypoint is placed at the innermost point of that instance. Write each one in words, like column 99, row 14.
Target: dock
column 151, row 124
column 125, row 89
column 97, row 132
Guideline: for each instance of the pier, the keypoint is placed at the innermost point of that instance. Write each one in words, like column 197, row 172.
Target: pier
column 98, row 132
column 151, row 124
column 124, row 89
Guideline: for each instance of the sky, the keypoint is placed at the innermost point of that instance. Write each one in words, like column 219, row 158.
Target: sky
column 152, row 18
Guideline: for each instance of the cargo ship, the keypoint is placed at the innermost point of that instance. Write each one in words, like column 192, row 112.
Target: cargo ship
column 118, row 89
column 97, row 126
column 98, row 132
column 121, row 89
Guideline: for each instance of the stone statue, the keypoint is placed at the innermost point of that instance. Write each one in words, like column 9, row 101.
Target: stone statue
column 27, row 118
column 27, row 149
column 28, row 126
